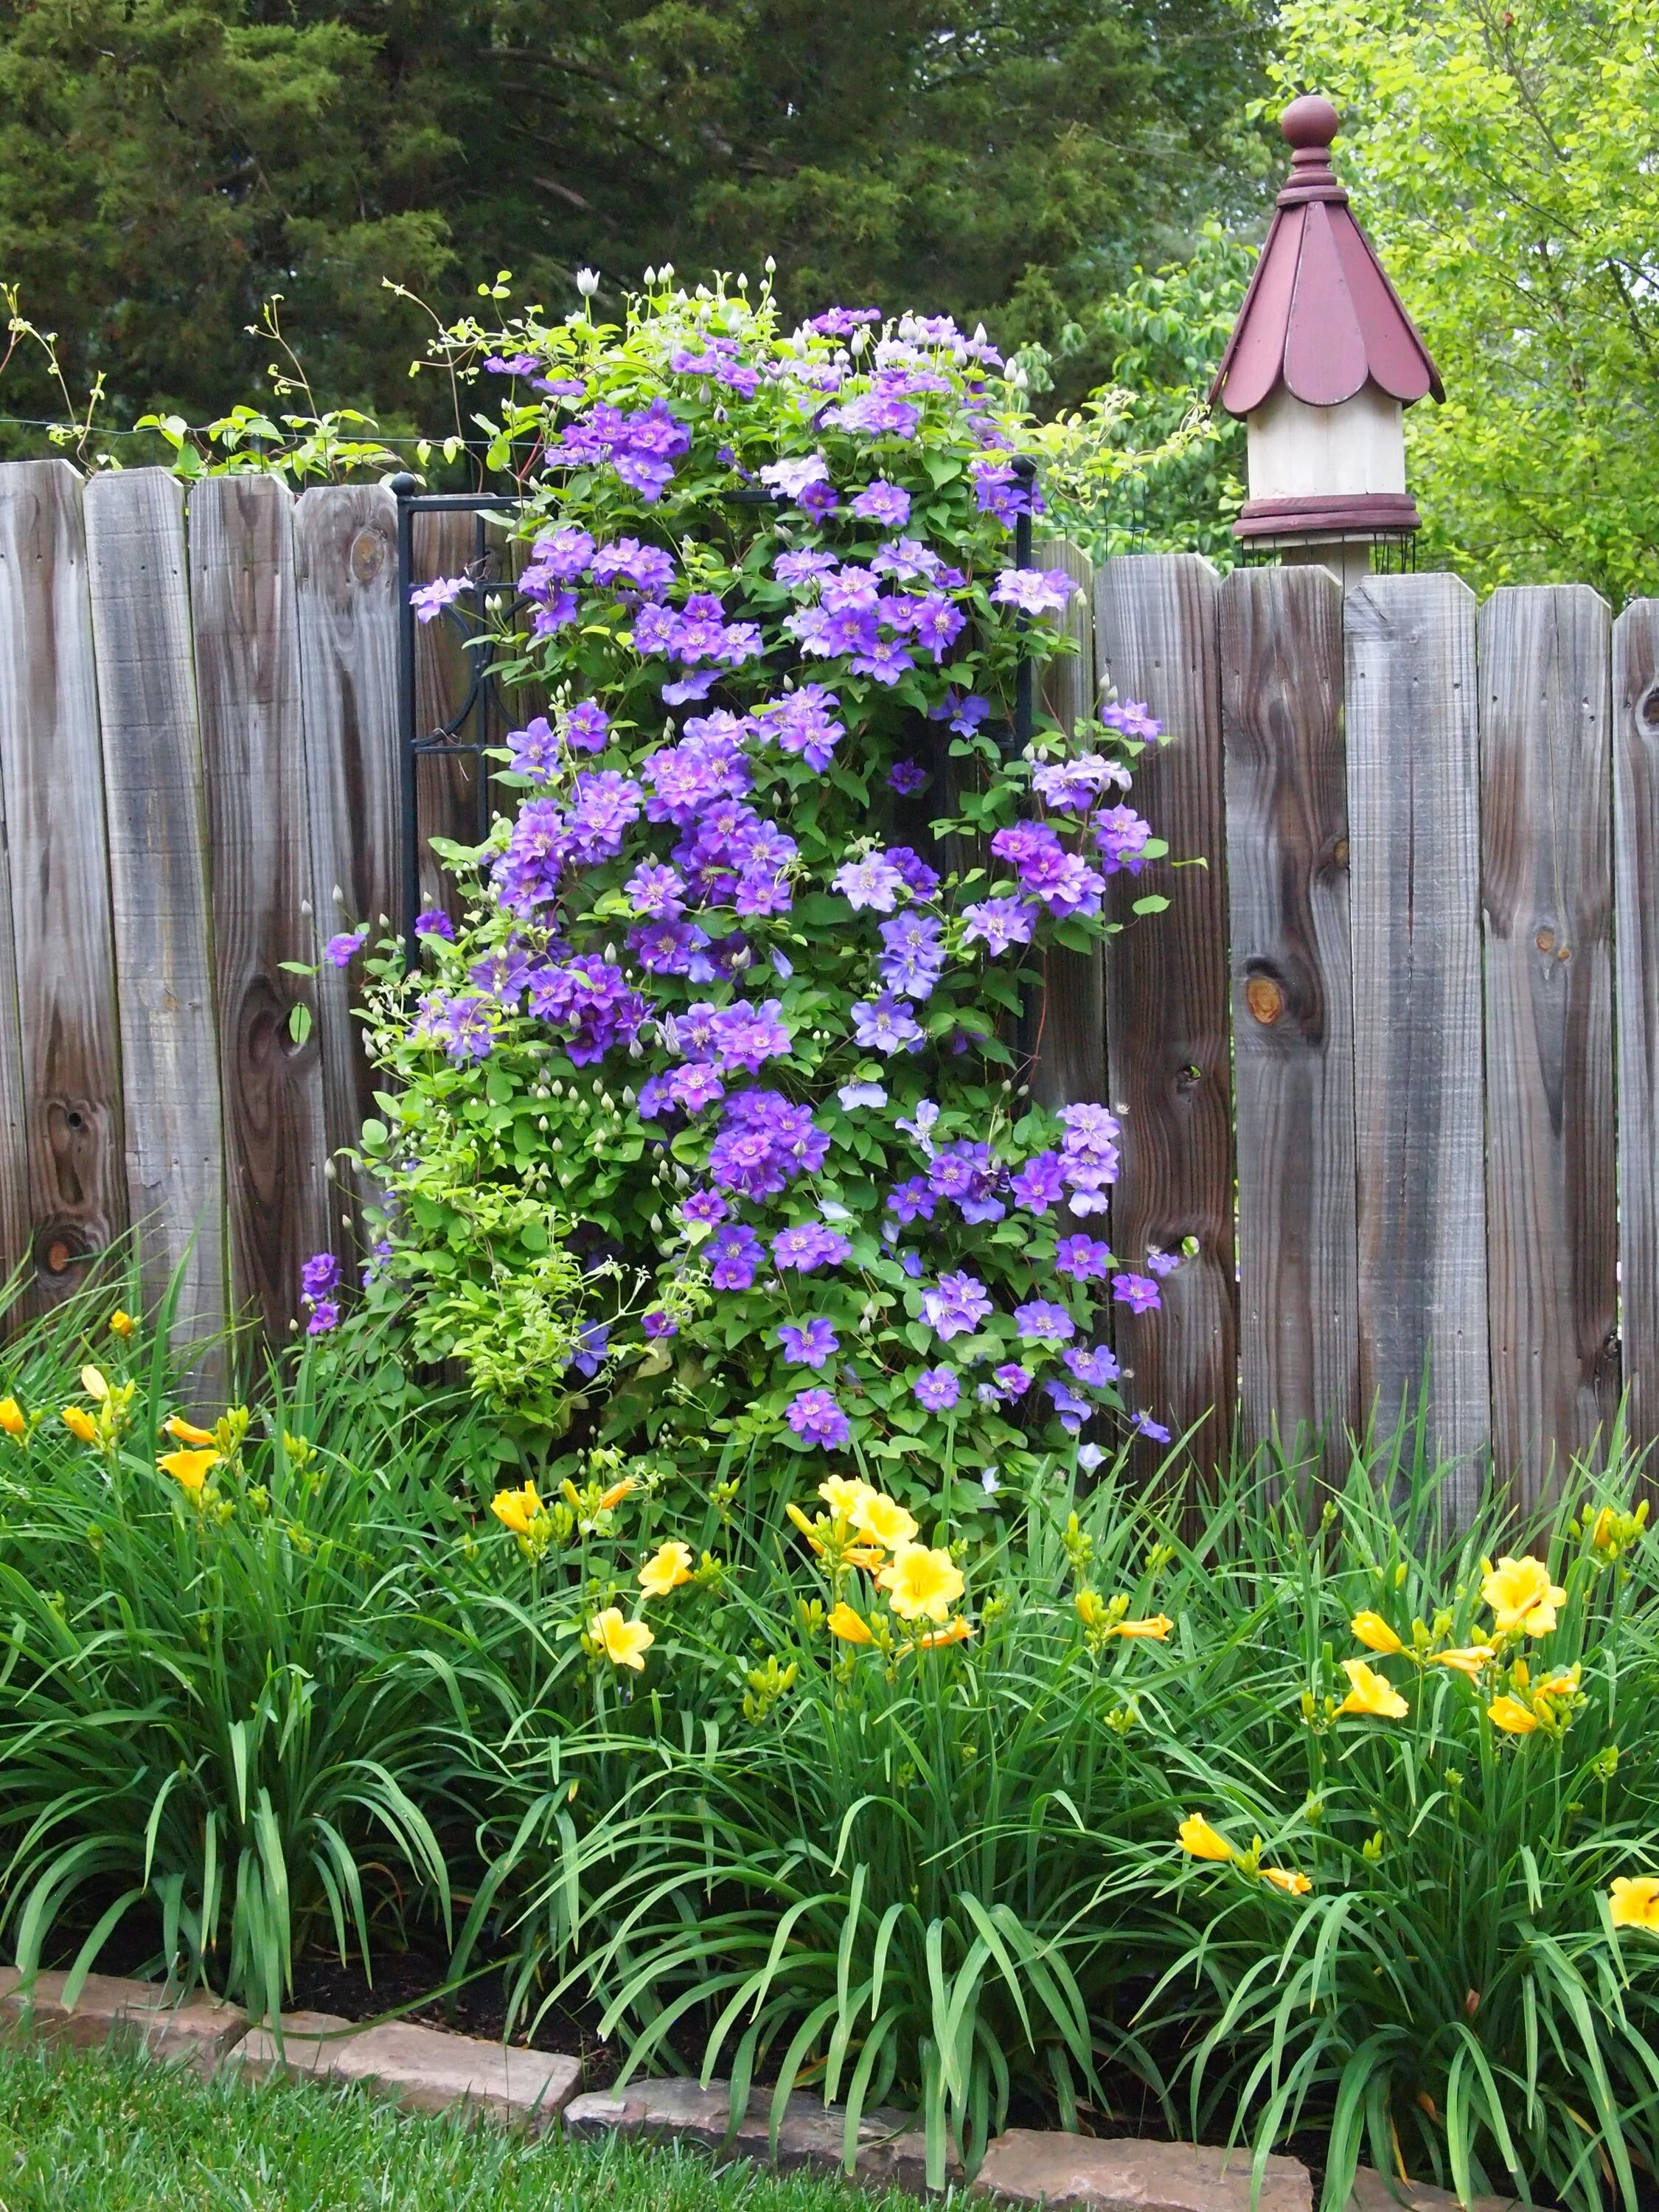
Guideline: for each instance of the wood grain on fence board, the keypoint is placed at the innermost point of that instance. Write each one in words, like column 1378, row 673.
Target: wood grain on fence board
column 1547, row 892
column 1070, row 1061
column 446, row 786
column 175, row 1159
column 1414, row 831
column 63, row 948
column 247, row 674
column 1287, row 868
column 14, row 1130
column 1166, row 1000
column 345, row 545
column 1635, row 992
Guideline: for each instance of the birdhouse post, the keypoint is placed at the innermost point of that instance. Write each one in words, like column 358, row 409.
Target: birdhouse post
column 1322, row 361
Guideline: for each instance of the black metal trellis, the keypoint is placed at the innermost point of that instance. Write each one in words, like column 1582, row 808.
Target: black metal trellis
column 446, row 741
column 482, row 698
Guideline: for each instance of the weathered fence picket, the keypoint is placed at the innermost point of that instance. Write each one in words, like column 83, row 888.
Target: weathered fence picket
column 247, row 667
column 1287, row 879
column 175, row 1166
column 1636, row 869
column 1166, row 1001
column 1414, row 876
column 345, row 543
column 1546, row 877
column 1369, row 1045
column 63, row 938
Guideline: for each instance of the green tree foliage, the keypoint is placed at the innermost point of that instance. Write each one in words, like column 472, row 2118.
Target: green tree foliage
column 167, row 165
column 1501, row 153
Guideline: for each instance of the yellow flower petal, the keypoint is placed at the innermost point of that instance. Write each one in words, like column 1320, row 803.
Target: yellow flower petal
column 1158, row 1627
column 1293, row 1883
column 624, row 1643
column 94, row 1384
column 613, row 1497
column 1562, row 1683
column 843, row 1494
column 884, row 1521
column 1464, row 1659
column 187, row 1432
column 121, row 1324
column 669, row 1566
column 849, row 1626
column 1200, row 1841
column 80, row 1422
column 516, row 1508
column 921, row 1584
column 1521, row 1596
column 1511, row 1717
column 954, row 1631
column 1375, row 1633
column 189, row 1469
column 1371, row 1695
column 13, row 1419
column 1633, row 1900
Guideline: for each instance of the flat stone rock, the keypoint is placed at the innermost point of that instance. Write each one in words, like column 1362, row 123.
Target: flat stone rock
column 425, row 2069
column 198, row 2028
column 1125, row 2175
column 1372, row 2192
column 890, row 2153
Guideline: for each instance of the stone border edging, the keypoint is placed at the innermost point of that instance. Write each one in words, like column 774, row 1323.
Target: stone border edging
column 428, row 2069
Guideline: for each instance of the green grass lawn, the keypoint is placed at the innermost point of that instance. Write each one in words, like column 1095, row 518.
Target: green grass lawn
column 88, row 2132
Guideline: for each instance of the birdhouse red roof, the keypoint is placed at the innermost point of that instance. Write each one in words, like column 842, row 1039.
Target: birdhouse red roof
column 1320, row 316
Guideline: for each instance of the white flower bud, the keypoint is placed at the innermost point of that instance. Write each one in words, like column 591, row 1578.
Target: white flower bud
column 629, row 1094
column 656, row 1224
column 304, row 907
column 339, row 898
column 588, row 282
column 666, row 271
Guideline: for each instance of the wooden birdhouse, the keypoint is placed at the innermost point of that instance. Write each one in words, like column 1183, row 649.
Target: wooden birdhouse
column 1321, row 364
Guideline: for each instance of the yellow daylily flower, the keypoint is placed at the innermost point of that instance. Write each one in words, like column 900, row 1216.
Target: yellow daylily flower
column 13, row 1419
column 121, row 1324
column 884, row 1521
column 1463, row 1658
column 850, row 1627
column 843, row 1494
column 94, row 1384
column 189, row 1469
column 1633, row 1900
column 1286, row 1878
column 1562, row 1683
column 517, row 1509
column 80, row 1422
column 624, row 1643
column 187, row 1432
column 613, row 1497
column 954, row 1631
column 1511, row 1716
column 1375, row 1633
column 921, row 1584
column 1200, row 1841
column 1603, row 1532
column 1158, row 1627
column 669, row 1566
column 1521, row 1596
column 1372, row 1693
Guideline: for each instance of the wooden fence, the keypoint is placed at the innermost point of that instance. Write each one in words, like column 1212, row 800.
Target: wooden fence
column 1367, row 1057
